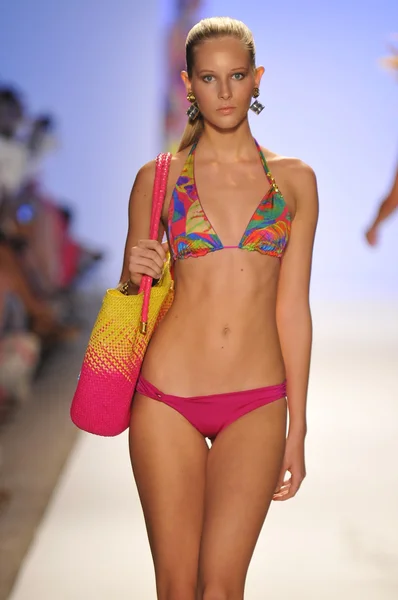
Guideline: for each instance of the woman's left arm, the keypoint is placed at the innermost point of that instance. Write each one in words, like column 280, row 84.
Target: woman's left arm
column 295, row 323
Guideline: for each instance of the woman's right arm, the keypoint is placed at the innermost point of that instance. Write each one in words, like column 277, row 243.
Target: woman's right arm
column 142, row 256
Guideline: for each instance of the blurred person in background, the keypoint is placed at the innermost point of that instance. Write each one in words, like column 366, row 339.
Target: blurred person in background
column 35, row 237
column 19, row 348
column 40, row 261
column 386, row 209
column 13, row 167
column 236, row 342
column 12, row 153
column 26, row 221
column 390, row 203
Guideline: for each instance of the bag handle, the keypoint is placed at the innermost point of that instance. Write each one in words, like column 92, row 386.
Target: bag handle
column 158, row 195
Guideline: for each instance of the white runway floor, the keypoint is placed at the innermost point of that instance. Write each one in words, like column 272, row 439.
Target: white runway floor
column 337, row 540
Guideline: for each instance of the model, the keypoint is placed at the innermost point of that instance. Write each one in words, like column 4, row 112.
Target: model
column 230, row 360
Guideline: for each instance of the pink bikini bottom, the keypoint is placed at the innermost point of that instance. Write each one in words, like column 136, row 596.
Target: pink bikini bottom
column 211, row 414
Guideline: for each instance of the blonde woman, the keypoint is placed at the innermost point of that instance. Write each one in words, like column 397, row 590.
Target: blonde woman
column 230, row 360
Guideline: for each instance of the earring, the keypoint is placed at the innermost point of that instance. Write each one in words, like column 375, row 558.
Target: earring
column 193, row 111
column 256, row 106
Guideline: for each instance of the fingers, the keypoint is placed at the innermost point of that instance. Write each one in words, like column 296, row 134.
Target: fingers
column 147, row 258
column 143, row 255
column 292, row 489
column 153, row 245
column 371, row 236
column 145, row 266
column 165, row 246
column 280, row 480
column 283, row 486
column 289, row 488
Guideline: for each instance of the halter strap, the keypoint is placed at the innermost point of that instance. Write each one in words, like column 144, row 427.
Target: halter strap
column 268, row 173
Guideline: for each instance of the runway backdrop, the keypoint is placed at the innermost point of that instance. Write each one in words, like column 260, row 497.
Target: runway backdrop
column 102, row 69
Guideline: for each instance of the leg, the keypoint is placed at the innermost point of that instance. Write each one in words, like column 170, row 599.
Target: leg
column 242, row 472
column 169, row 459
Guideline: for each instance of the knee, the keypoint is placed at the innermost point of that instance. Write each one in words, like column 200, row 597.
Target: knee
column 176, row 591
column 219, row 592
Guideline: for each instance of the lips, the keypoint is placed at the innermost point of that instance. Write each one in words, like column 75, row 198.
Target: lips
column 226, row 109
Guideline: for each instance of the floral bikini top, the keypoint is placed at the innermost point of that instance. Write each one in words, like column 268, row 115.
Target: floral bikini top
column 191, row 233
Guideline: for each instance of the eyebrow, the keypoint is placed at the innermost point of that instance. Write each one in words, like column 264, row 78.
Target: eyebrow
column 210, row 71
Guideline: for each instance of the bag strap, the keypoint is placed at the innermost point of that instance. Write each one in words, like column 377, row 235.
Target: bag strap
column 158, row 195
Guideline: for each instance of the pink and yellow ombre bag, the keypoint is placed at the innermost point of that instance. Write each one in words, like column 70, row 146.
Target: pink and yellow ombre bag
column 119, row 339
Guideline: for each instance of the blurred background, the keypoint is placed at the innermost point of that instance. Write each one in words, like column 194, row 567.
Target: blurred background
column 88, row 93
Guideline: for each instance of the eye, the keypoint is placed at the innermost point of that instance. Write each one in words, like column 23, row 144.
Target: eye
column 238, row 76
column 207, row 78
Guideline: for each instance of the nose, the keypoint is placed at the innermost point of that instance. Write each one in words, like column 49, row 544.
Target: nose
column 224, row 91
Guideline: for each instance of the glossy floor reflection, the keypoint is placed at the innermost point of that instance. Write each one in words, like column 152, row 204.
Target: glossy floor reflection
column 336, row 540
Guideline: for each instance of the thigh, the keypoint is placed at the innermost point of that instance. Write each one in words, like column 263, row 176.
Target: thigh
column 242, row 472
column 169, row 458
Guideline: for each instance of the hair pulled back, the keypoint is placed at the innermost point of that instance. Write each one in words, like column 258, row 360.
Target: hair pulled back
column 208, row 29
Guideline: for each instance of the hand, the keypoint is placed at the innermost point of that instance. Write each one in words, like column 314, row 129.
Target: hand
column 371, row 236
column 294, row 463
column 147, row 258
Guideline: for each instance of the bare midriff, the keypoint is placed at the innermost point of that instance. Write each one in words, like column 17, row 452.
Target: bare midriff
column 220, row 335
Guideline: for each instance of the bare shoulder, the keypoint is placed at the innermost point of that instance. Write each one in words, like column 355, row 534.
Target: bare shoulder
column 146, row 174
column 293, row 168
column 302, row 181
column 296, row 178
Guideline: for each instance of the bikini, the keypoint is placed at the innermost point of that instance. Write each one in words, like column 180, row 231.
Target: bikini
column 191, row 235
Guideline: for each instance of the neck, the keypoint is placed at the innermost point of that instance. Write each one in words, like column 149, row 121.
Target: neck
column 227, row 145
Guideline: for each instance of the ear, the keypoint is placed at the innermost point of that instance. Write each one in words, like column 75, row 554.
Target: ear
column 259, row 72
column 185, row 79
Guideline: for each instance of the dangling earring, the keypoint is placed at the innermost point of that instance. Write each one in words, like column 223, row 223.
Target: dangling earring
column 193, row 111
column 256, row 106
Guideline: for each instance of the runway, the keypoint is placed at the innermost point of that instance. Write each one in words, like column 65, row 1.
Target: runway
column 336, row 540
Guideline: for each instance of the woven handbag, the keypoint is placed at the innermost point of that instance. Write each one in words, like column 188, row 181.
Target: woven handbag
column 113, row 359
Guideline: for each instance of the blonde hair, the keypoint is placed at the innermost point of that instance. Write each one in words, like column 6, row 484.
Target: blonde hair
column 208, row 29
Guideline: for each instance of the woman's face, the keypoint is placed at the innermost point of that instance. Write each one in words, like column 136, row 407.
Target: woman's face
column 223, row 81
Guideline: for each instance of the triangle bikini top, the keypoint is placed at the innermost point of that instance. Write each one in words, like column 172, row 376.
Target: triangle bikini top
column 192, row 235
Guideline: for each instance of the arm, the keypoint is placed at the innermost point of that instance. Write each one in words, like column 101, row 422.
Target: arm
column 386, row 208
column 146, row 254
column 293, row 308
column 295, row 326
